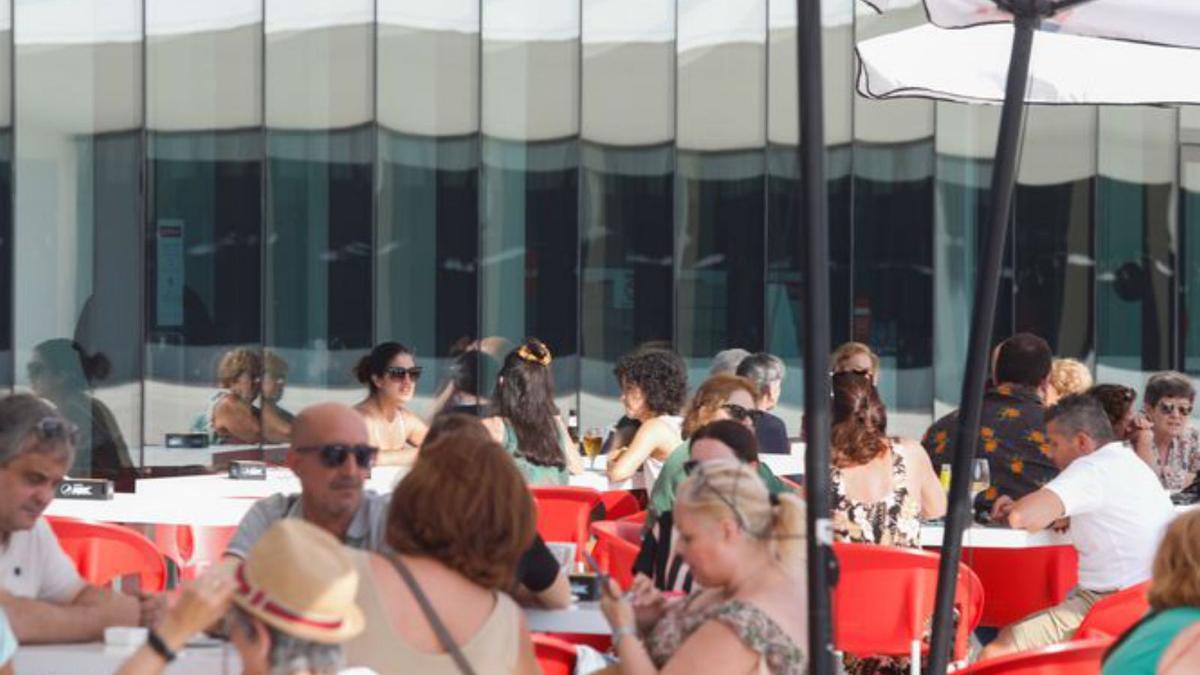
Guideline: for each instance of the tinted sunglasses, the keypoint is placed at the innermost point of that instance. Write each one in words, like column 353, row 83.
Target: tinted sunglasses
column 334, row 455
column 51, row 429
column 1184, row 409
column 398, row 374
column 739, row 413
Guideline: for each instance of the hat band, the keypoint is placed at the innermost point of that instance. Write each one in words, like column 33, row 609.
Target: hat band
column 257, row 598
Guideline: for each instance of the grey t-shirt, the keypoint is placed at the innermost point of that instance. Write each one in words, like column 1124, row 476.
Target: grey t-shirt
column 367, row 531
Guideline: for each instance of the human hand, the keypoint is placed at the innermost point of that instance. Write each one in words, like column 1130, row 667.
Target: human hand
column 201, row 604
column 616, row 607
column 151, row 607
column 1001, row 508
column 648, row 602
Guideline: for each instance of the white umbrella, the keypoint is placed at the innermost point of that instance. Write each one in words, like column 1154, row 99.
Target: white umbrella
column 1013, row 51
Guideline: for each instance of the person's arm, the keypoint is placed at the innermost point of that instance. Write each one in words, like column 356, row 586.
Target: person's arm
column 1142, row 441
column 277, row 424
column 200, row 605
column 495, row 427
column 570, row 448
column 238, row 418
column 540, row 581
column 1033, row 512
column 933, row 499
column 417, row 428
column 626, row 461
column 81, row 620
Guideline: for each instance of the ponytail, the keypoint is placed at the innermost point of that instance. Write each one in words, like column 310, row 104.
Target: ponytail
column 788, row 528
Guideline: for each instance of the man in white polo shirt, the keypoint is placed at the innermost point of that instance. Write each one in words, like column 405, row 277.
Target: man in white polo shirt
column 40, row 591
column 1118, row 511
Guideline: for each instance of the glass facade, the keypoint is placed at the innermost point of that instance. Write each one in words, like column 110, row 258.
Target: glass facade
column 184, row 179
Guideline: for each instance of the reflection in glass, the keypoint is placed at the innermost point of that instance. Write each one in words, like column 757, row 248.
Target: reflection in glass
column 320, row 153
column 78, row 204
column 529, row 208
column 6, row 196
column 1135, row 243
column 626, row 190
column 1189, row 237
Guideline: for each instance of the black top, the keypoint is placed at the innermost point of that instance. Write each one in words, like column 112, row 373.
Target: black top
column 538, row 568
column 772, row 435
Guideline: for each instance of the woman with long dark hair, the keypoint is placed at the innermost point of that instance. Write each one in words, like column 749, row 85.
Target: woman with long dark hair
column 391, row 372
column 526, row 421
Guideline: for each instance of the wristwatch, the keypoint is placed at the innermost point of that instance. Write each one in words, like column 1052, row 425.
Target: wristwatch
column 155, row 642
column 621, row 631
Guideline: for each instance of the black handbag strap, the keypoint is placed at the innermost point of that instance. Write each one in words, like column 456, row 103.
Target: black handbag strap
column 434, row 620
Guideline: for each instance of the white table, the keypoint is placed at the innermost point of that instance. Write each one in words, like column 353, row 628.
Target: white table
column 161, row 455
column 94, row 658
column 155, row 509
column 279, row 479
column 584, row 618
column 979, row 536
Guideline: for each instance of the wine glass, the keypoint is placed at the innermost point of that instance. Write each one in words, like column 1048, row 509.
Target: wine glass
column 593, row 438
column 981, row 477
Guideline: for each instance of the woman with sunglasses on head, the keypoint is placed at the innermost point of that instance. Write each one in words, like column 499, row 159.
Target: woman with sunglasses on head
column 746, row 549
column 525, row 420
column 1117, row 401
column 653, row 388
column 1176, row 445
column 390, row 372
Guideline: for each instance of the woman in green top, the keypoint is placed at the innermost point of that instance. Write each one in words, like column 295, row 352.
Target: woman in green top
column 1174, row 597
column 526, row 421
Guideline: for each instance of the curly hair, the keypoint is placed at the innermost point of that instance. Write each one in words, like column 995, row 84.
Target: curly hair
column 237, row 361
column 709, row 398
column 660, row 374
column 859, row 430
column 1069, row 376
column 1174, row 582
column 484, row 519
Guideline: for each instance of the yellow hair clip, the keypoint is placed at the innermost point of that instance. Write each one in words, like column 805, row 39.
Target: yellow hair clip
column 527, row 354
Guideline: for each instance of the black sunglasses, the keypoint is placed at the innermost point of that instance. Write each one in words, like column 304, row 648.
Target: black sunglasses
column 334, row 455
column 397, row 374
column 739, row 413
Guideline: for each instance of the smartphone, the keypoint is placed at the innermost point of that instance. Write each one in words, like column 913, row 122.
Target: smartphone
column 600, row 575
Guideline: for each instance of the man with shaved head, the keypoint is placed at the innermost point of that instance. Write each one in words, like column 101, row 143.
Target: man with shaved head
column 331, row 456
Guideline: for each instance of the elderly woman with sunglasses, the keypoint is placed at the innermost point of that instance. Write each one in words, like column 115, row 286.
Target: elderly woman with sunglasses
column 390, row 372
column 1117, row 401
column 746, row 549
column 1168, row 405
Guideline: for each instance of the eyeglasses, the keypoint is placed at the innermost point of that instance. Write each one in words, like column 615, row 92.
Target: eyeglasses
column 1184, row 409
column 398, row 374
column 861, row 372
column 334, row 455
column 51, row 429
column 739, row 413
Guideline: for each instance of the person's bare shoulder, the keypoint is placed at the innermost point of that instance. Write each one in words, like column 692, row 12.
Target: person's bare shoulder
column 1182, row 656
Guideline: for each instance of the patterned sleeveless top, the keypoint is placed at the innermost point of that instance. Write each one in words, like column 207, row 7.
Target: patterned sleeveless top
column 892, row 521
column 758, row 631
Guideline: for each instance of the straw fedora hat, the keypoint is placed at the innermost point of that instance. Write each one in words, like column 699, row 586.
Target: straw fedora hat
column 297, row 579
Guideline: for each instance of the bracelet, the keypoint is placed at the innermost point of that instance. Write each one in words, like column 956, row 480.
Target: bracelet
column 155, row 642
column 621, row 631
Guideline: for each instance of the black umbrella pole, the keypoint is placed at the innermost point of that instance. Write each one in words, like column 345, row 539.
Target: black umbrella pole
column 816, row 343
column 982, row 320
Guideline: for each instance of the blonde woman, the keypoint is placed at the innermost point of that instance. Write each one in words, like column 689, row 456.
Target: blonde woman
column 1067, row 376
column 746, row 549
column 232, row 416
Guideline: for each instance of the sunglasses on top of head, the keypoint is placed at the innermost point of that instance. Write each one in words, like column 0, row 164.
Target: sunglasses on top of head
column 398, row 374
column 334, row 455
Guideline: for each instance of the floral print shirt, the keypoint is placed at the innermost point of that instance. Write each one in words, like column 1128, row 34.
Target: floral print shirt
column 1012, row 437
column 893, row 521
column 1178, row 468
column 780, row 655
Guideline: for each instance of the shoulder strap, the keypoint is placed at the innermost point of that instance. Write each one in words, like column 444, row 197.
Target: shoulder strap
column 431, row 616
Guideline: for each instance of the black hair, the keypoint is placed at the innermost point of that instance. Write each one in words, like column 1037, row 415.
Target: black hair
column 463, row 372
column 525, row 397
column 377, row 361
column 734, row 435
column 1023, row 359
column 660, row 374
column 1081, row 412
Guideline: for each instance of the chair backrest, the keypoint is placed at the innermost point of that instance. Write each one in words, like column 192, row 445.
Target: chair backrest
column 905, row 582
column 621, row 503
column 555, row 657
column 103, row 552
column 193, row 548
column 563, row 514
column 1048, row 574
column 639, row 517
column 617, row 546
column 1079, row 657
column 1115, row 614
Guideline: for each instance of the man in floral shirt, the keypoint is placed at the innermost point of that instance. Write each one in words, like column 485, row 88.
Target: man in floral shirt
column 1012, row 434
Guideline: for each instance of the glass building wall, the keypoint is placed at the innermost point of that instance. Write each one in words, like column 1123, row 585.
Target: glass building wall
column 181, row 179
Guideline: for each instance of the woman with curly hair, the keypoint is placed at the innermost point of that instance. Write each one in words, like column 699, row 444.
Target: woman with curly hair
column 653, row 388
column 525, row 420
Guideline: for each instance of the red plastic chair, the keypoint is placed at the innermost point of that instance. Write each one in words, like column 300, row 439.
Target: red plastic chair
column 563, row 514
column 621, row 503
column 639, row 518
column 193, row 548
column 1081, row 657
column 1112, row 616
column 556, row 657
column 884, row 601
column 617, row 546
column 1047, row 574
column 103, row 552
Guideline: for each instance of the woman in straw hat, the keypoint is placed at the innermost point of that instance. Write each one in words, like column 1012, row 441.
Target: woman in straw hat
column 287, row 608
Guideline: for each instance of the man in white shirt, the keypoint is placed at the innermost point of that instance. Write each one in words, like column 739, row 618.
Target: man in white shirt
column 40, row 591
column 1118, row 511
